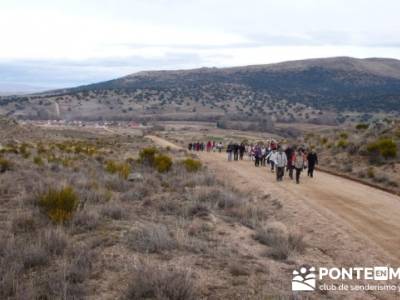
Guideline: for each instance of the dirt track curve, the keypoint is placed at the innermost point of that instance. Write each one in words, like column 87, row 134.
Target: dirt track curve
column 362, row 212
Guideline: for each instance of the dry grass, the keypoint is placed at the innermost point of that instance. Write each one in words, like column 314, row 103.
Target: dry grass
column 180, row 217
column 85, row 220
column 150, row 238
column 113, row 210
column 281, row 242
column 161, row 282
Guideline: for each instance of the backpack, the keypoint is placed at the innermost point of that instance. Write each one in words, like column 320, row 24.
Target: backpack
column 298, row 161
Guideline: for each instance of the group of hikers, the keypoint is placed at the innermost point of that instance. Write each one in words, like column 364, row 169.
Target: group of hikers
column 209, row 146
column 278, row 157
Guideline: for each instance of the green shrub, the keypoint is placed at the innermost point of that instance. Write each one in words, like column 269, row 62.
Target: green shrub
column 23, row 150
column 148, row 155
column 361, row 126
column 122, row 169
column 162, row 163
column 342, row 143
column 38, row 160
column 384, row 147
column 5, row 165
column 41, row 149
column 371, row 172
column 59, row 205
column 192, row 165
column 343, row 135
column 11, row 148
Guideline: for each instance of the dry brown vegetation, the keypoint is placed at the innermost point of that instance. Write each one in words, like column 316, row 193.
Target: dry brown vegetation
column 108, row 216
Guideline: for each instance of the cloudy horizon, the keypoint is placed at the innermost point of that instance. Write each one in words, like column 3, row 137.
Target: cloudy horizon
column 55, row 44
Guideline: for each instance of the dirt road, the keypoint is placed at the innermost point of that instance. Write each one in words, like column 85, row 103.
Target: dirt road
column 344, row 217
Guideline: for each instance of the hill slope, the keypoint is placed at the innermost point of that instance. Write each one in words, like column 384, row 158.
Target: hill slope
column 286, row 89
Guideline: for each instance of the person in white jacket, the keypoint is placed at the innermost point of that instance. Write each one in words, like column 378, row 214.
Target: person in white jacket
column 280, row 160
column 271, row 159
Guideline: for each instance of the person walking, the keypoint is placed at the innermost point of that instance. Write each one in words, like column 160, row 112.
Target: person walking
column 312, row 160
column 242, row 150
column 219, row 147
column 251, row 153
column 208, row 147
column 229, row 150
column 257, row 155
column 235, row 151
column 280, row 162
column 298, row 163
column 289, row 154
column 271, row 158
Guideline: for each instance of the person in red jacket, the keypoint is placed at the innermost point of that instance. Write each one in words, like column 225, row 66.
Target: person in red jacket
column 209, row 145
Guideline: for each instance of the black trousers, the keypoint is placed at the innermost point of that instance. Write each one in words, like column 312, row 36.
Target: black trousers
column 290, row 170
column 272, row 165
column 280, row 171
column 263, row 160
column 310, row 171
column 298, row 172
column 257, row 161
column 235, row 156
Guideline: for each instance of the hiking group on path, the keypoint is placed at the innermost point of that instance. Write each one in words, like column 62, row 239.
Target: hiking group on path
column 278, row 157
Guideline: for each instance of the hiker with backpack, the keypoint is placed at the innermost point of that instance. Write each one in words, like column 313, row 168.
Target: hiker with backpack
column 298, row 162
column 280, row 161
column 312, row 160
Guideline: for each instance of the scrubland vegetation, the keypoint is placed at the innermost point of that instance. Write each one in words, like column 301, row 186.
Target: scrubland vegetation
column 115, row 217
column 367, row 151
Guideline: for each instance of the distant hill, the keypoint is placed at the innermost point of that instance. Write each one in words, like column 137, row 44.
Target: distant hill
column 303, row 89
column 19, row 89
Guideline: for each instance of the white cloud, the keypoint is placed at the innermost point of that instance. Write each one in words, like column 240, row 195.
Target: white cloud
column 86, row 36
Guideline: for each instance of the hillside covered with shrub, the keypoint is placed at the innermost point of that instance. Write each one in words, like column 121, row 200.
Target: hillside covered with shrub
column 299, row 90
column 368, row 151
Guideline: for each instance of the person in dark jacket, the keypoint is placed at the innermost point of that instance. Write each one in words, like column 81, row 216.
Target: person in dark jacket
column 257, row 155
column 312, row 160
column 289, row 154
column 235, row 151
column 242, row 149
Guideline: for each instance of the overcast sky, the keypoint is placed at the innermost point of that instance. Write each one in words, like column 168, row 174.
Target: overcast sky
column 59, row 43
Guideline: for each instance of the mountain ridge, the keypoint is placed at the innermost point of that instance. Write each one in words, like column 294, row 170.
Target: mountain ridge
column 338, row 84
